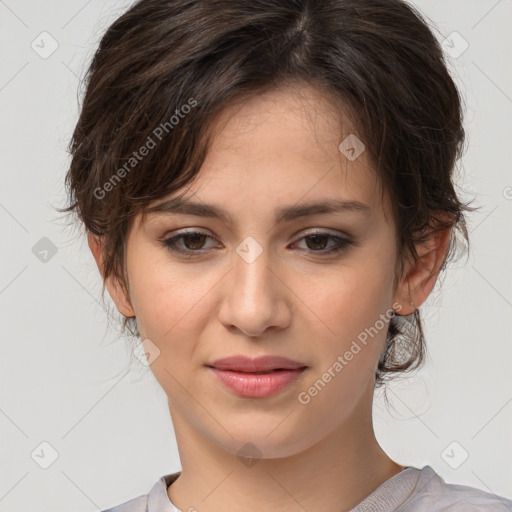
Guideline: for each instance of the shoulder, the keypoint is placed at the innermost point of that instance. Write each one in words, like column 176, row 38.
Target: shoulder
column 433, row 494
column 155, row 501
column 138, row 504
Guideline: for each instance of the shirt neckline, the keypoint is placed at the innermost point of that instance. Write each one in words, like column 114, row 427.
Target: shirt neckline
column 392, row 493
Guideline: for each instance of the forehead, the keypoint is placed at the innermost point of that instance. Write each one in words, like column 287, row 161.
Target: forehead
column 288, row 114
column 283, row 144
column 281, row 148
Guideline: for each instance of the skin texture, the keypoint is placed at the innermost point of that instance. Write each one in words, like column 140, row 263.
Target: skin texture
column 273, row 150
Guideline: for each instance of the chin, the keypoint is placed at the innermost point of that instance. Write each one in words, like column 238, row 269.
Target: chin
column 255, row 440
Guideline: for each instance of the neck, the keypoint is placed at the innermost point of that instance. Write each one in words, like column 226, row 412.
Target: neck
column 336, row 473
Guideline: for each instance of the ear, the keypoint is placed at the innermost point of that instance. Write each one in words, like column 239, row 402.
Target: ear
column 115, row 290
column 419, row 278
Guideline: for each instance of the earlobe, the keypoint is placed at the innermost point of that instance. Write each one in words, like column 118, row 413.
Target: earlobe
column 114, row 288
column 420, row 277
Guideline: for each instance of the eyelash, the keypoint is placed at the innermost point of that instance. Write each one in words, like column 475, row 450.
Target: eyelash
column 170, row 244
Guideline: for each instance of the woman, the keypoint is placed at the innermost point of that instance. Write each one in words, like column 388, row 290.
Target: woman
column 267, row 191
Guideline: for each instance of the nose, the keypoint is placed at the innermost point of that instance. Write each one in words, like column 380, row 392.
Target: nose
column 255, row 297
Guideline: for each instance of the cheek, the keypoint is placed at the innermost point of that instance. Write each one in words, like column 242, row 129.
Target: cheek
column 351, row 305
column 171, row 305
column 349, row 338
column 171, row 312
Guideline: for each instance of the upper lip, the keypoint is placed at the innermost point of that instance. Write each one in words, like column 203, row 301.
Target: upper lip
column 258, row 364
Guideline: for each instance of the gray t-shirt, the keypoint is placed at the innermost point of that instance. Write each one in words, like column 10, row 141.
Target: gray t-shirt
column 411, row 490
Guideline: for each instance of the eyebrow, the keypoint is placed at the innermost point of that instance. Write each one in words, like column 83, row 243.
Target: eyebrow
column 287, row 213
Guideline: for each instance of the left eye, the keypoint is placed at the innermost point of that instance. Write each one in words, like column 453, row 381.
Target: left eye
column 193, row 242
column 320, row 239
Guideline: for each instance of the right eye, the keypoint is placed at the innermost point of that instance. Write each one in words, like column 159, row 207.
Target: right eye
column 187, row 243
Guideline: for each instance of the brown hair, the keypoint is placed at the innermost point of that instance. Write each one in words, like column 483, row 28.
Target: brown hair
column 166, row 68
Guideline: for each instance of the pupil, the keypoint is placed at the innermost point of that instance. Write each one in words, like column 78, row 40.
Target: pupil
column 316, row 238
column 194, row 237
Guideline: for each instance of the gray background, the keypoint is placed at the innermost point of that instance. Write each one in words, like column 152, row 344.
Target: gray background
column 65, row 375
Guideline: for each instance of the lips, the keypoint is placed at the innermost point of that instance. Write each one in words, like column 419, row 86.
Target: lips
column 263, row 364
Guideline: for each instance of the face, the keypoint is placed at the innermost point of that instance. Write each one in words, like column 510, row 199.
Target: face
column 310, row 288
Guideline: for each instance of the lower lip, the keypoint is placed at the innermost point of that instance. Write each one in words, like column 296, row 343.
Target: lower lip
column 260, row 385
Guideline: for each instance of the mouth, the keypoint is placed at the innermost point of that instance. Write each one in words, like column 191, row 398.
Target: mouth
column 257, row 384
column 263, row 372
column 260, row 365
